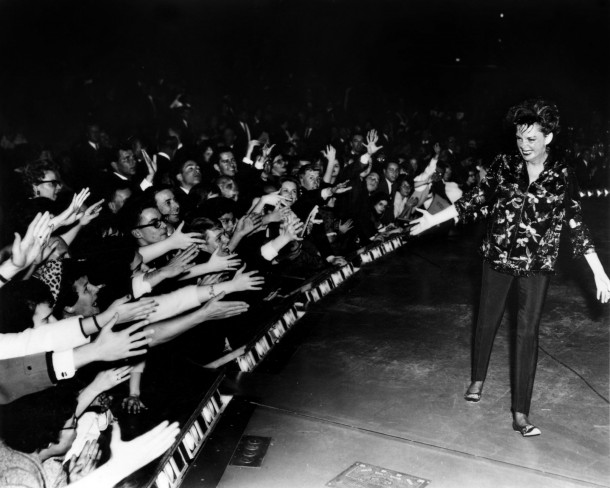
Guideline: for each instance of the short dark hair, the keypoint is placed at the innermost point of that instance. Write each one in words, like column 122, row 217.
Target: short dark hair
column 129, row 215
column 34, row 421
column 535, row 111
column 18, row 302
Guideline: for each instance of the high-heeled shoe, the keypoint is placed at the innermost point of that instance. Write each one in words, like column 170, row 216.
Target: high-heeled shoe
column 527, row 430
column 473, row 397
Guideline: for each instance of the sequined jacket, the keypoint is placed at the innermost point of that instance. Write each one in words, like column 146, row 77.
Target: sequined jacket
column 525, row 220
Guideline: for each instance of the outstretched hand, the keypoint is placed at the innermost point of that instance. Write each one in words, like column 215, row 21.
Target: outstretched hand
column 422, row 223
column 603, row 287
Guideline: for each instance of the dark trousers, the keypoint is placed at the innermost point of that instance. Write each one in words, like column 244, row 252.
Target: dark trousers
column 531, row 295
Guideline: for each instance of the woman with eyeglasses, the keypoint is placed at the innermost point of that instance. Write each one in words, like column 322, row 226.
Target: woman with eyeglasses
column 42, row 179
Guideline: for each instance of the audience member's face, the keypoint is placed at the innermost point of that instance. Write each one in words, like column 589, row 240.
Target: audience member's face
column 215, row 238
column 372, row 182
column 49, row 186
column 190, row 174
column 228, row 222
column 380, row 207
column 93, row 133
column 207, row 154
column 290, row 192
column 357, row 144
column 279, row 166
column 310, row 180
column 118, row 199
column 229, row 189
column 227, row 166
column 126, row 164
column 151, row 227
column 86, row 305
column 391, row 172
column 43, row 315
column 405, row 189
column 168, row 206
column 228, row 136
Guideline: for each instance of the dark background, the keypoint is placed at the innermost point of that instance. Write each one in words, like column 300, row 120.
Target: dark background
column 457, row 55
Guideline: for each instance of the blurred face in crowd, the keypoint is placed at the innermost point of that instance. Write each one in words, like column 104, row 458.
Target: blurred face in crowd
column 289, row 192
column 227, row 166
column 279, row 167
column 207, row 154
column 405, row 189
column 472, row 178
column 380, row 207
column 118, row 199
column 228, row 189
column 168, row 206
column 215, row 238
column 357, row 144
column 86, row 305
column 372, row 182
column 126, row 164
column 310, row 180
column 228, row 222
column 43, row 315
column 391, row 172
column 190, row 175
column 228, row 137
column 93, row 133
column 49, row 186
column 151, row 227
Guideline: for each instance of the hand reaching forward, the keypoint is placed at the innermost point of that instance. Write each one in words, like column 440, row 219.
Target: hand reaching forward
column 181, row 262
column 127, row 457
column 109, row 378
column 113, row 346
column 422, row 223
column 223, row 263
column 73, row 212
column 181, row 240
column 293, row 231
column 371, row 142
column 247, row 281
column 129, row 311
column 25, row 251
column 215, row 309
column 81, row 465
column 91, row 213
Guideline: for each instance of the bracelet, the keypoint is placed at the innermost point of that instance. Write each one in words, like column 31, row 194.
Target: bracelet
column 96, row 324
column 82, row 329
column 4, row 280
column 212, row 294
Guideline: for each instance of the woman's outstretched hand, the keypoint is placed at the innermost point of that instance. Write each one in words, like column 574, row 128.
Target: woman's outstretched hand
column 603, row 287
column 422, row 223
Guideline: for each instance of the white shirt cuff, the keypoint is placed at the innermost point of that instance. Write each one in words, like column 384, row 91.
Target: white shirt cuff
column 63, row 364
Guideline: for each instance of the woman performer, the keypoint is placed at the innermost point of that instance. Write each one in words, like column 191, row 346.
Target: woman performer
column 527, row 197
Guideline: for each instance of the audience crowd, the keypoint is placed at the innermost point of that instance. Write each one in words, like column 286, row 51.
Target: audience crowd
column 187, row 231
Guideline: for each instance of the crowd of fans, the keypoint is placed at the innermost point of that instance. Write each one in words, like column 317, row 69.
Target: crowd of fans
column 187, row 232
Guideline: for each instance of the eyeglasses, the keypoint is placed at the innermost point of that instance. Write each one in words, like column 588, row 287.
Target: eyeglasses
column 226, row 220
column 51, row 182
column 156, row 223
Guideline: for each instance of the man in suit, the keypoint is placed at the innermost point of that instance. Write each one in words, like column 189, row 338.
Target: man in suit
column 390, row 175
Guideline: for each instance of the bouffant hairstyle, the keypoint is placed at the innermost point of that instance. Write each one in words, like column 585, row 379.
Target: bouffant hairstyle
column 535, row 111
column 18, row 302
column 33, row 174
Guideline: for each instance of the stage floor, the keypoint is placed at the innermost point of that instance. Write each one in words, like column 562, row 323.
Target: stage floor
column 381, row 366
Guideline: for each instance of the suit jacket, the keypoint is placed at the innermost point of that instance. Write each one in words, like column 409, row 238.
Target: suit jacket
column 24, row 375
